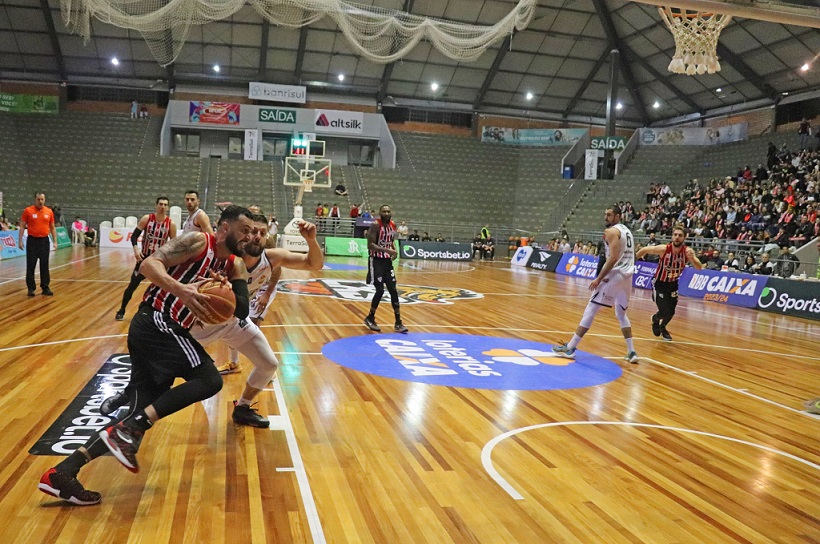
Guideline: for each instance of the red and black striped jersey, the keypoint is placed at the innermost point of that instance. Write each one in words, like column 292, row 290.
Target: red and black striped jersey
column 187, row 272
column 387, row 233
column 155, row 235
column 671, row 264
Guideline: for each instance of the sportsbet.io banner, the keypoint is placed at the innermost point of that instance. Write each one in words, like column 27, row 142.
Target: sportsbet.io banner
column 435, row 251
column 790, row 297
column 82, row 419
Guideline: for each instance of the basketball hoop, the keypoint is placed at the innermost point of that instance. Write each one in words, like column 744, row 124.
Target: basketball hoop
column 696, row 35
column 307, row 184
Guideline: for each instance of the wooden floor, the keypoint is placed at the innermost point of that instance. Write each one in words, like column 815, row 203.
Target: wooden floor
column 704, row 441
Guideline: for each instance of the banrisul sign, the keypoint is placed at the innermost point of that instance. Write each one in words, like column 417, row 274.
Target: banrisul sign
column 477, row 362
column 82, row 419
column 618, row 143
column 272, row 115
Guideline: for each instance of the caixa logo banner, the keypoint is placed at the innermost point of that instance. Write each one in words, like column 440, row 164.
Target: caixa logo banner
column 578, row 264
column 723, row 287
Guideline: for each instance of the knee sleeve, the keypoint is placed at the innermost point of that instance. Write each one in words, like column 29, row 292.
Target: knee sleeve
column 265, row 363
column 589, row 315
column 620, row 314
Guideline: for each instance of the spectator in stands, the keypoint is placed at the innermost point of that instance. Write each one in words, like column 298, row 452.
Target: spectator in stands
column 273, row 231
column 764, row 267
column 748, row 264
column 401, row 231
column 134, row 109
column 58, row 216
column 804, row 131
column 485, row 232
column 335, row 216
column 786, row 264
column 761, row 173
column 368, row 216
column 354, row 212
column 439, row 237
column 803, row 233
column 143, row 111
column 732, row 261
column 340, row 189
column 564, row 246
column 414, row 237
column 426, row 237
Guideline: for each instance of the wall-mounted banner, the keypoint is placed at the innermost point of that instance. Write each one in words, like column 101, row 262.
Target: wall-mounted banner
column 350, row 122
column 214, row 113
column 791, row 297
column 251, row 144
column 644, row 272
column 271, row 115
column 82, row 419
column 435, row 251
column 578, row 264
column 617, row 143
column 476, row 362
column 532, row 136
column 723, row 287
column 28, row 103
column 277, row 93
column 116, row 237
column 591, row 164
column 541, row 259
column 694, row 135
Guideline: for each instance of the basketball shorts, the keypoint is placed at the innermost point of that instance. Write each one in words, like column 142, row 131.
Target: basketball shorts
column 381, row 271
column 615, row 289
column 233, row 332
column 161, row 349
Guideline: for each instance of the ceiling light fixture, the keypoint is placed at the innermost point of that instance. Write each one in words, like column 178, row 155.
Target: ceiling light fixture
column 718, row 90
column 529, row 96
column 115, row 61
column 341, row 77
column 805, row 67
column 434, row 86
column 619, row 106
column 656, row 105
column 216, row 68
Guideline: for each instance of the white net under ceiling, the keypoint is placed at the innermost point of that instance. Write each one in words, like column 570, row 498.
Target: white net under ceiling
column 378, row 34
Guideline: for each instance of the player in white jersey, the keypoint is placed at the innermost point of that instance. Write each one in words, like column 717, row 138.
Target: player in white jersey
column 612, row 287
column 264, row 267
column 197, row 220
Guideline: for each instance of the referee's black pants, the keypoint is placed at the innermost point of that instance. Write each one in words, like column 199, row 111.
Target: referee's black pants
column 37, row 249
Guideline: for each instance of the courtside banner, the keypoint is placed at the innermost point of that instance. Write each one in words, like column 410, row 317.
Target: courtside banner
column 723, row 287
column 435, row 251
column 522, row 256
column 63, row 239
column 8, row 245
column 116, row 237
column 351, row 247
column 644, row 272
column 578, row 264
column 791, row 297
column 541, row 259
column 82, row 419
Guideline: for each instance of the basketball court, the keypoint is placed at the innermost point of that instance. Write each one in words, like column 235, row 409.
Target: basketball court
column 465, row 430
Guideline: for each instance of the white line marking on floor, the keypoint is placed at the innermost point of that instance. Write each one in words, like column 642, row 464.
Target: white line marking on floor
column 487, row 451
column 314, row 522
column 50, row 269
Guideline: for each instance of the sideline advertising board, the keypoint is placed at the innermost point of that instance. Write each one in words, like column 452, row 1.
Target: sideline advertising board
column 119, row 237
column 644, row 272
column 722, row 287
column 579, row 265
column 542, row 259
column 349, row 247
column 791, row 297
column 435, row 251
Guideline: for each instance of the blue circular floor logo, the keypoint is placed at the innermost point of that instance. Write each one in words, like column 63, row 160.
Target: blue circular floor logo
column 476, row 362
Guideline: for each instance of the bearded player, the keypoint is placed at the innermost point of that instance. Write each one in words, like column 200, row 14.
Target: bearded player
column 673, row 258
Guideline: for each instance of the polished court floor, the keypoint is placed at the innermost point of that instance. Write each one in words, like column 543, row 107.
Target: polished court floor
column 703, row 441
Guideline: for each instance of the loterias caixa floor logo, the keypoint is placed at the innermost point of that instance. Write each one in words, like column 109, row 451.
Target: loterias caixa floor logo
column 361, row 291
column 82, row 419
column 476, row 362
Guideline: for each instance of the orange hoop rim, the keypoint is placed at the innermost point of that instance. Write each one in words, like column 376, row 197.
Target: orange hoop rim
column 688, row 14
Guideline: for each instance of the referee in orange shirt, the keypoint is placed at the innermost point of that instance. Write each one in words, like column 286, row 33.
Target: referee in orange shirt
column 39, row 219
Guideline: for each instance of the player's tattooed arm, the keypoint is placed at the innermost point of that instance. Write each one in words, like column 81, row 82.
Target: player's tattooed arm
column 180, row 249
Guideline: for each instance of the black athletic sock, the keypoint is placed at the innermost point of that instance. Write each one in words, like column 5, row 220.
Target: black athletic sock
column 138, row 421
column 72, row 464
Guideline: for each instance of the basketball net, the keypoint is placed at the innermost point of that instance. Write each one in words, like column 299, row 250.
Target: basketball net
column 696, row 35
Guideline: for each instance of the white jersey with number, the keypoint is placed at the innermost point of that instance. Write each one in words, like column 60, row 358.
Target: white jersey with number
column 625, row 250
column 189, row 225
column 258, row 279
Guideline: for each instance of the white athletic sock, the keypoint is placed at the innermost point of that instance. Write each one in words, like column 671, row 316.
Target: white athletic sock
column 629, row 345
column 574, row 342
column 243, row 402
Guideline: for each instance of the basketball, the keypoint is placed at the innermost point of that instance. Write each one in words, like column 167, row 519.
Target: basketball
column 221, row 302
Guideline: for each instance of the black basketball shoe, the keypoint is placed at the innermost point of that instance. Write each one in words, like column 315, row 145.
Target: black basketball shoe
column 244, row 414
column 68, row 488
column 656, row 325
column 114, row 403
column 123, row 441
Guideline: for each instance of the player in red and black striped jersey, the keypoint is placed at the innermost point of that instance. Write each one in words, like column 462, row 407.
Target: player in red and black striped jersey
column 157, row 228
column 161, row 346
column 381, row 246
column 673, row 258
